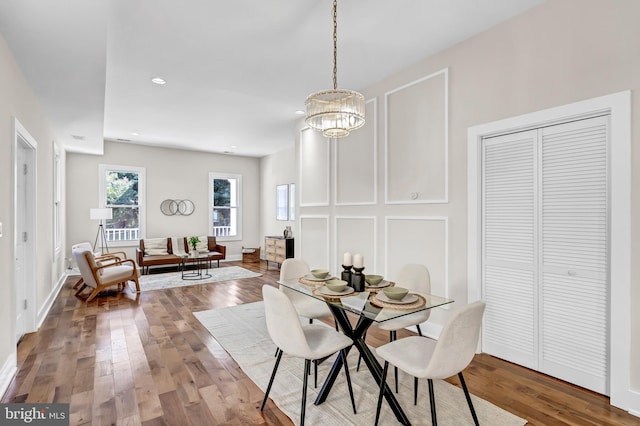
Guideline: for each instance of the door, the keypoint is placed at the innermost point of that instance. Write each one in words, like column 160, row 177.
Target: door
column 25, row 148
column 545, row 250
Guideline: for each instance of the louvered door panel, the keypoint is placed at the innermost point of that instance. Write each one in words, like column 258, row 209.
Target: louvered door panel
column 574, row 332
column 509, row 244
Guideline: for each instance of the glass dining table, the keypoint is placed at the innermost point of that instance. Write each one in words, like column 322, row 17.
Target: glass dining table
column 368, row 310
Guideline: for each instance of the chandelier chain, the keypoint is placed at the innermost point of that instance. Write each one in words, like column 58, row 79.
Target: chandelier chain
column 335, row 44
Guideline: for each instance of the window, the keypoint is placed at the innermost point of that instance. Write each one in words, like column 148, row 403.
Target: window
column 282, row 202
column 122, row 189
column 225, row 216
column 57, row 197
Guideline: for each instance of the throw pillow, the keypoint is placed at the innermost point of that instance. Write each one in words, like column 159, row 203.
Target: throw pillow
column 203, row 245
column 155, row 246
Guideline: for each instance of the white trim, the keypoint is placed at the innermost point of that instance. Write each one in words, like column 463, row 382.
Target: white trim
column 51, row 298
column 444, row 219
column 327, row 161
column 8, row 371
column 444, row 200
column 301, row 232
column 619, row 106
column 239, row 206
column 31, row 225
column 337, row 264
column 374, row 184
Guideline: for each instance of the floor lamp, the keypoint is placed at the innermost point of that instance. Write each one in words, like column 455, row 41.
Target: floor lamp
column 101, row 214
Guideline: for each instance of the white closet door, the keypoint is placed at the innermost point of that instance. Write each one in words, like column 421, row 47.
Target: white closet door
column 574, row 290
column 509, row 247
column 545, row 250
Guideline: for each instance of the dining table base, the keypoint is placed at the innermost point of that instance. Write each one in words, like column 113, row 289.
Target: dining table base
column 357, row 334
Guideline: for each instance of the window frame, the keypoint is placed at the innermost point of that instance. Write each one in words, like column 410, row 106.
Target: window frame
column 142, row 208
column 238, row 207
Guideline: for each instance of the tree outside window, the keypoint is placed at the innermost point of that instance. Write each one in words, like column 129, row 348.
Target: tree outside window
column 225, row 205
column 122, row 194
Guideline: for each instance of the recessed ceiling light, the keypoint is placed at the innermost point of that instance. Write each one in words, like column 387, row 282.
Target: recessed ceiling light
column 300, row 112
column 158, row 80
column 78, row 137
column 233, row 147
column 135, row 134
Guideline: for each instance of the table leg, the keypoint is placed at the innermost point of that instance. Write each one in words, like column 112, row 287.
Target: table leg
column 356, row 334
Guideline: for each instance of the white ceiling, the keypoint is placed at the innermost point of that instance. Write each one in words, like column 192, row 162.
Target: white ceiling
column 236, row 71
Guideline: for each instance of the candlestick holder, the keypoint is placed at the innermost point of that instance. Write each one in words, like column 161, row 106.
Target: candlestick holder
column 346, row 274
column 357, row 279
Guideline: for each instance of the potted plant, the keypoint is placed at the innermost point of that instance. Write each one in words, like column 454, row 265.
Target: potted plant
column 193, row 241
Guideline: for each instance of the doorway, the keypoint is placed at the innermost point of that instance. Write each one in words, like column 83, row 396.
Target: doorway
column 25, row 154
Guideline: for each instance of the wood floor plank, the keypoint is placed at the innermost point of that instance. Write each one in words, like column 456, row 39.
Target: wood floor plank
column 144, row 359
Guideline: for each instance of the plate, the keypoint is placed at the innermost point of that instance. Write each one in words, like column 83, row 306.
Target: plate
column 324, row 290
column 409, row 298
column 310, row 277
column 381, row 284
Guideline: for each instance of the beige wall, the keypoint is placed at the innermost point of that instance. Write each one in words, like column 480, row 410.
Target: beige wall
column 170, row 174
column 276, row 169
column 18, row 100
column 558, row 53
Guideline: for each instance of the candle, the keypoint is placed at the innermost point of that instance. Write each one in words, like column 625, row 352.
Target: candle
column 346, row 260
column 358, row 261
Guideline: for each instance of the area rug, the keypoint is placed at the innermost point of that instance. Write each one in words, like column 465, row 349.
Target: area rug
column 242, row 331
column 174, row 279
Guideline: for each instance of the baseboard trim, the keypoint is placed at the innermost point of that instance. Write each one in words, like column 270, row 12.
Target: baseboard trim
column 8, row 371
column 46, row 307
column 634, row 409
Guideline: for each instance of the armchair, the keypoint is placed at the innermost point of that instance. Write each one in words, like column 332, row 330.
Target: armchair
column 99, row 276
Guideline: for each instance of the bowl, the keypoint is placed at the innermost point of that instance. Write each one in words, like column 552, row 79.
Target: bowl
column 319, row 273
column 336, row 285
column 395, row 293
column 373, row 279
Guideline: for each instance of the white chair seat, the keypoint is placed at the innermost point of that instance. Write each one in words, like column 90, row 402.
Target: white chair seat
column 409, row 361
column 114, row 273
column 323, row 341
column 404, row 321
column 310, row 308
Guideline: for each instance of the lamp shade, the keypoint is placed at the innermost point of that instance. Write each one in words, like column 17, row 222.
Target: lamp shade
column 101, row 214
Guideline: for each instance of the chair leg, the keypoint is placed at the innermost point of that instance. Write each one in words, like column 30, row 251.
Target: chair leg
column 315, row 373
column 392, row 337
column 307, row 367
column 432, row 402
column 273, row 376
column 466, row 394
column 383, row 381
column 415, row 379
column 346, row 373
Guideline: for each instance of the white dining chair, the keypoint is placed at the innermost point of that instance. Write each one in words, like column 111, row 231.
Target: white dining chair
column 416, row 278
column 305, row 306
column 425, row 358
column 310, row 342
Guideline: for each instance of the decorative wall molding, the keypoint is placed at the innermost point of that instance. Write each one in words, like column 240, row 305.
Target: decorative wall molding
column 418, row 242
column 315, row 160
column 370, row 249
column 313, row 242
column 356, row 162
column 417, row 140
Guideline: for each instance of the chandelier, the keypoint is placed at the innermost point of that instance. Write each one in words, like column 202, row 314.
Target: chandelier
column 335, row 112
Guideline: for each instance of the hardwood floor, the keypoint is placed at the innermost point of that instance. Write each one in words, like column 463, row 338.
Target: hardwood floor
column 146, row 360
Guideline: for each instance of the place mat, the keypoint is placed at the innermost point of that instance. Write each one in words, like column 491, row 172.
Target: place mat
column 332, row 298
column 306, row 281
column 401, row 307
